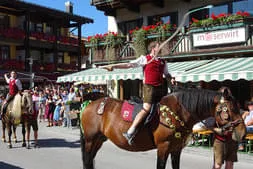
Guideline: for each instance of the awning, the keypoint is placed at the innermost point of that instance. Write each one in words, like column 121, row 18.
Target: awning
column 220, row 70
column 101, row 75
column 96, row 74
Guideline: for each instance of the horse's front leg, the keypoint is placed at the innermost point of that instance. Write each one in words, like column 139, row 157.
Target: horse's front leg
column 175, row 159
column 8, row 126
column 23, row 133
column 14, row 127
column 162, row 155
column 3, row 131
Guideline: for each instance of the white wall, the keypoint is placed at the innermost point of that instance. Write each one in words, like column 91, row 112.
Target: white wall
column 112, row 24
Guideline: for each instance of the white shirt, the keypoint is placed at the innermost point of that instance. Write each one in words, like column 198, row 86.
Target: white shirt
column 249, row 117
column 142, row 61
column 71, row 96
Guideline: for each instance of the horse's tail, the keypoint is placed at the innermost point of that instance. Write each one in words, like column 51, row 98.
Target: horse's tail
column 16, row 108
column 82, row 140
column 87, row 157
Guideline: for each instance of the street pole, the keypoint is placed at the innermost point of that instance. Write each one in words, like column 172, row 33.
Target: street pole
column 31, row 72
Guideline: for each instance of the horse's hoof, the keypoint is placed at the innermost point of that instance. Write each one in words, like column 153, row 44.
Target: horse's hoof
column 3, row 140
column 10, row 146
column 15, row 140
column 24, row 145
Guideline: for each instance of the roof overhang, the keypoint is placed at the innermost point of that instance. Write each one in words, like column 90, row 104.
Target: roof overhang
column 41, row 14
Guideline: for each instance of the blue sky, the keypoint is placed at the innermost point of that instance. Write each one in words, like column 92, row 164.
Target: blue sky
column 82, row 8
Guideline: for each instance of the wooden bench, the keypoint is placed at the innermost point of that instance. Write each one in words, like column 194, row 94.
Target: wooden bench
column 205, row 134
column 249, row 144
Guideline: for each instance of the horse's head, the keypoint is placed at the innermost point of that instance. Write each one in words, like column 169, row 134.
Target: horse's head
column 227, row 114
column 27, row 103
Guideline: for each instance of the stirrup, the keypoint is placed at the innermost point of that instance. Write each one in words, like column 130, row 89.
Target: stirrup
column 129, row 138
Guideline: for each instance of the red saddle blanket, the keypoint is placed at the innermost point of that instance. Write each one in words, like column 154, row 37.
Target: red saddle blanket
column 129, row 111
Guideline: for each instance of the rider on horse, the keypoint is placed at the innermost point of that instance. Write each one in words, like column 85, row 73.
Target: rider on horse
column 154, row 68
column 15, row 86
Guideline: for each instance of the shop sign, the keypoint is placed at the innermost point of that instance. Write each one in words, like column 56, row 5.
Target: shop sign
column 236, row 35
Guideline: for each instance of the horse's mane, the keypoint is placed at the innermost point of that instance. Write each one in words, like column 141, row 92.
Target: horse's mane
column 198, row 101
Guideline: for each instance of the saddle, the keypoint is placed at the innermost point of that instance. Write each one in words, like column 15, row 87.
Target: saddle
column 132, row 107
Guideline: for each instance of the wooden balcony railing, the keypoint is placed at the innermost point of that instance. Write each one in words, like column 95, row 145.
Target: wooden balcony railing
column 16, row 33
column 12, row 64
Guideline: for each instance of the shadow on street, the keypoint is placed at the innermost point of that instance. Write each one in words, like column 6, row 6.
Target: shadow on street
column 4, row 165
column 55, row 142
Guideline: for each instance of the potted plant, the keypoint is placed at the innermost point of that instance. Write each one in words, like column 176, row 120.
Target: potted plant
column 143, row 36
column 112, row 40
column 139, row 41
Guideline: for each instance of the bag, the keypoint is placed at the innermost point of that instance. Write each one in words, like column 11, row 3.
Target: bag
column 73, row 115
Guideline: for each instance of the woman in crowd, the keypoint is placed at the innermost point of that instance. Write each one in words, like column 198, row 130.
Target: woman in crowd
column 57, row 111
column 42, row 102
column 51, row 106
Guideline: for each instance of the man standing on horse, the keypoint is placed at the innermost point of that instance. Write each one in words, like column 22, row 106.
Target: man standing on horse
column 153, row 68
column 15, row 86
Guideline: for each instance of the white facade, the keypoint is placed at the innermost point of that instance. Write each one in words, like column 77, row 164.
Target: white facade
column 112, row 24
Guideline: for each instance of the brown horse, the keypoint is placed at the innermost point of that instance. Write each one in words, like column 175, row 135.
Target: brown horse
column 11, row 119
column 168, row 132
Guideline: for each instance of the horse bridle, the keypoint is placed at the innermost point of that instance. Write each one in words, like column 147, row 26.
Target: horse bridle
column 222, row 112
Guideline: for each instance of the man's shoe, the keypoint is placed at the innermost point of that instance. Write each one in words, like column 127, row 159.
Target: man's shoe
column 129, row 138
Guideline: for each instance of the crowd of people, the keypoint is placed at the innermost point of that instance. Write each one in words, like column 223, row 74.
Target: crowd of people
column 55, row 105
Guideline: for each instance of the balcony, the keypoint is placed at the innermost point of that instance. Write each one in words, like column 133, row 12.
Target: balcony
column 226, row 39
column 106, row 47
column 12, row 64
column 16, row 34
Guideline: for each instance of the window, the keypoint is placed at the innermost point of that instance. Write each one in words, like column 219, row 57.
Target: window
column 60, row 57
column 125, row 27
column 243, row 5
column 165, row 18
column 49, row 29
column 205, row 13
column 4, row 53
column 202, row 14
column 36, row 27
column 4, row 21
column 216, row 10
column 230, row 7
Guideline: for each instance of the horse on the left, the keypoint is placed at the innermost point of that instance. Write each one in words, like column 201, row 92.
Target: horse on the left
column 13, row 116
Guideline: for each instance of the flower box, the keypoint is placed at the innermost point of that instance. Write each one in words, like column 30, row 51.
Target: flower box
column 217, row 27
column 221, row 21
